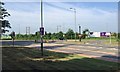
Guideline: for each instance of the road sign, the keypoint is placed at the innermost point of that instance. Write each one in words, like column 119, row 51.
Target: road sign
column 13, row 37
column 80, row 37
column 42, row 30
column 103, row 34
column 12, row 34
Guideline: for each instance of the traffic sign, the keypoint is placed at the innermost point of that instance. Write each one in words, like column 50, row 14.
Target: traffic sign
column 12, row 34
column 42, row 30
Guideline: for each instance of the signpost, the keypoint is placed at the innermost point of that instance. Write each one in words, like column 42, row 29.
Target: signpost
column 80, row 33
column 42, row 31
column 110, row 37
column 13, row 37
column 80, row 37
column 41, row 28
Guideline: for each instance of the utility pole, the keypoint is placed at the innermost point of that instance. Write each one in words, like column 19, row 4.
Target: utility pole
column 60, row 28
column 63, row 28
column 27, row 30
column 57, row 29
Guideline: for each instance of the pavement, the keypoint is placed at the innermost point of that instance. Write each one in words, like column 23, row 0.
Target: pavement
column 109, row 53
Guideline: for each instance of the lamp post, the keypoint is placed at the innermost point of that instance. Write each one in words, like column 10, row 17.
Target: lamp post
column 75, row 20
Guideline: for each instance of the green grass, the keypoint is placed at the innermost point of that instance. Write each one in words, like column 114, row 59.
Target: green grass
column 30, row 58
column 98, row 41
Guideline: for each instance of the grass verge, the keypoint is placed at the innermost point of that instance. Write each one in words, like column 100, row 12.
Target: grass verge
column 20, row 58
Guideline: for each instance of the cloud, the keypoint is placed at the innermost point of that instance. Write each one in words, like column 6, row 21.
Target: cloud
column 91, row 18
column 24, row 19
column 61, row 0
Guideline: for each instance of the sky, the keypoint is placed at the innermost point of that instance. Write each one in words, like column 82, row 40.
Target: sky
column 95, row 16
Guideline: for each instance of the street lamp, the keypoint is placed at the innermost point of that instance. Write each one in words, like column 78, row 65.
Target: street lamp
column 75, row 20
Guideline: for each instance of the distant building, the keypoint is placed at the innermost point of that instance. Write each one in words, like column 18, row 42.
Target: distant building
column 99, row 34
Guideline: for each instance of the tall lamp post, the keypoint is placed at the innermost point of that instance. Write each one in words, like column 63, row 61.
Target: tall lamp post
column 75, row 20
column 41, row 28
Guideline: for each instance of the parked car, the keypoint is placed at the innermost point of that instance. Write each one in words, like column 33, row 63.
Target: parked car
column 61, row 38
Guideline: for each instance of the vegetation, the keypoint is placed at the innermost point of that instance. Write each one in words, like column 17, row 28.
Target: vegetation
column 48, row 36
column 118, row 37
column 70, row 34
column 27, row 37
column 4, row 23
column 19, row 58
column 6, row 37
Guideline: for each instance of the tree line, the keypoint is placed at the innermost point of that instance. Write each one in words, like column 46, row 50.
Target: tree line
column 70, row 34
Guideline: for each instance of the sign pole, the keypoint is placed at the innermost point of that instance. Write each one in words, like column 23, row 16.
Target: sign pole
column 110, row 37
column 13, row 37
column 80, row 33
column 13, row 42
column 41, row 29
column 41, row 46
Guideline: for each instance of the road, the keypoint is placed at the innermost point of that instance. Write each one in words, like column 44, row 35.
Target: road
column 100, row 52
column 16, row 43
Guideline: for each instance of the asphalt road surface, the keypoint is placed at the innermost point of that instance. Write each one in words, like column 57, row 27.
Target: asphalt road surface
column 101, row 52
column 17, row 43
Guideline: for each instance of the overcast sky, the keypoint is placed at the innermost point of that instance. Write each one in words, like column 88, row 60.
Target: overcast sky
column 96, row 16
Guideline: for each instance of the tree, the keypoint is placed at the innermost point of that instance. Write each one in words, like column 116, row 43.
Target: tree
column 49, row 35
column 114, row 34
column 70, row 34
column 85, row 33
column 37, row 36
column 19, row 36
column 60, row 35
column 118, row 35
column 54, row 36
column 4, row 23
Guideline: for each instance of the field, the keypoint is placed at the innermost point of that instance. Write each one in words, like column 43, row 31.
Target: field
column 30, row 59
